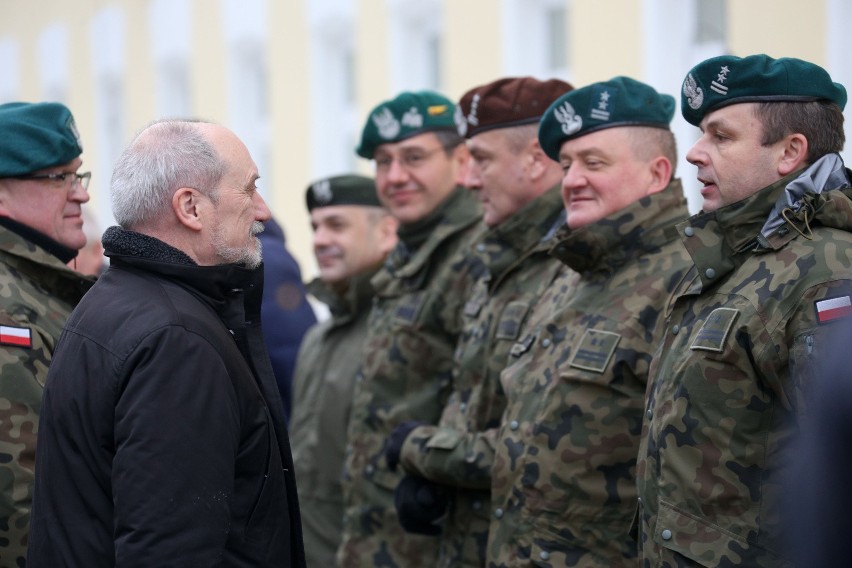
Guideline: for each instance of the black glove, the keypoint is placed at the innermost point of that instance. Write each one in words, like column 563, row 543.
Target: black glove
column 420, row 504
column 394, row 443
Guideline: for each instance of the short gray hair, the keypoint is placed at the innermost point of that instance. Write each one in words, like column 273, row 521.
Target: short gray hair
column 162, row 158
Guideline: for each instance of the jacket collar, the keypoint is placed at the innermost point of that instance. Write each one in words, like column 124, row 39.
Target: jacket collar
column 55, row 248
column 719, row 241
column 608, row 244
column 522, row 233
column 357, row 298
column 457, row 213
column 216, row 283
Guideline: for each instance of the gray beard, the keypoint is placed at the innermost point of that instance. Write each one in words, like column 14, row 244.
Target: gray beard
column 249, row 256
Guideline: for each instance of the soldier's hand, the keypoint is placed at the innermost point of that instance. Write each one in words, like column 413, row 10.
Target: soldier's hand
column 396, row 440
column 420, row 505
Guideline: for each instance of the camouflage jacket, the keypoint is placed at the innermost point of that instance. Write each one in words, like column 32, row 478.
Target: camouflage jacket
column 459, row 451
column 749, row 323
column 564, row 475
column 323, row 384
column 37, row 294
column 407, row 375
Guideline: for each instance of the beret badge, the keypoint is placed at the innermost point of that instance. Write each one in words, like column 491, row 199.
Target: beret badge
column 322, row 192
column 568, row 118
column 693, row 93
column 727, row 79
column 386, row 123
column 413, row 118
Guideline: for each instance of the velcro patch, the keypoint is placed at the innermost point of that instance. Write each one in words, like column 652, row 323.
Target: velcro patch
column 17, row 336
column 595, row 350
column 511, row 319
column 714, row 333
column 409, row 309
column 474, row 305
column 832, row 309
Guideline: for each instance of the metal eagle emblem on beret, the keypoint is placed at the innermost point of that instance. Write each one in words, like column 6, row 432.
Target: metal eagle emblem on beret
column 386, row 123
column 693, row 93
column 568, row 118
column 322, row 192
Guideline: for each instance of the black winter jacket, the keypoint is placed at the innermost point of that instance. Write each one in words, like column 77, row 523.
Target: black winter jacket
column 162, row 440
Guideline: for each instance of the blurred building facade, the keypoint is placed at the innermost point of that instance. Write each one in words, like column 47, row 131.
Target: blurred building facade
column 295, row 78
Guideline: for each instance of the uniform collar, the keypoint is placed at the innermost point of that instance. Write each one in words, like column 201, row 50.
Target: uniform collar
column 514, row 239
column 720, row 241
column 608, row 244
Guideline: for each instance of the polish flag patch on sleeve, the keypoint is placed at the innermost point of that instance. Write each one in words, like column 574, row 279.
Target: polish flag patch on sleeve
column 833, row 309
column 17, row 336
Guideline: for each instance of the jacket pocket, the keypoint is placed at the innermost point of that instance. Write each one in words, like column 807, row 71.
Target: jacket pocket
column 706, row 544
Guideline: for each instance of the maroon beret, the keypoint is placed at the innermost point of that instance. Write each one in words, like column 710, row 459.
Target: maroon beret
column 506, row 102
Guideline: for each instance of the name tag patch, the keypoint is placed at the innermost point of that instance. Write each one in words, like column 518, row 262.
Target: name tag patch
column 595, row 350
column 511, row 319
column 474, row 305
column 714, row 333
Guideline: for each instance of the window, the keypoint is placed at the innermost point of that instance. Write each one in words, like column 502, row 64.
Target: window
column 9, row 57
column 839, row 46
column 709, row 22
column 334, row 113
column 678, row 34
column 53, row 63
column 415, row 45
column 536, row 38
column 245, row 24
column 107, row 45
column 169, row 26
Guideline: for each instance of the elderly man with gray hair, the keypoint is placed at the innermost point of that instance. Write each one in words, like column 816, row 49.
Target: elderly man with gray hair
column 163, row 440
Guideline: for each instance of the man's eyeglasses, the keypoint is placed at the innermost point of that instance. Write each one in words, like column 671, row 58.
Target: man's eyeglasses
column 410, row 159
column 75, row 178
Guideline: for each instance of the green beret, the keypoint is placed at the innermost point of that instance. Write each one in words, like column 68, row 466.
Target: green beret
column 727, row 79
column 408, row 114
column 36, row 136
column 621, row 101
column 506, row 102
column 342, row 190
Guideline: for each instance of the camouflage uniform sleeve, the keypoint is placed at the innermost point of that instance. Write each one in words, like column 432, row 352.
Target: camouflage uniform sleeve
column 450, row 457
column 24, row 370
column 811, row 331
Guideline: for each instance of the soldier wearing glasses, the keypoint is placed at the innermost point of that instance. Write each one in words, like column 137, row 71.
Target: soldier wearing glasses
column 420, row 160
column 41, row 229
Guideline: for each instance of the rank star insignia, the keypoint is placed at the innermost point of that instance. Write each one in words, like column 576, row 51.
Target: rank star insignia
column 601, row 112
column 718, row 85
